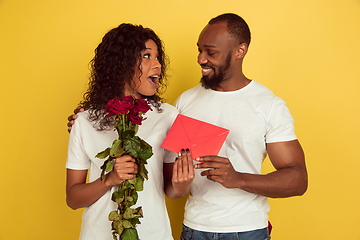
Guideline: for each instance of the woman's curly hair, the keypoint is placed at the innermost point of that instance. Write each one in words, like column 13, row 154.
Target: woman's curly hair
column 114, row 66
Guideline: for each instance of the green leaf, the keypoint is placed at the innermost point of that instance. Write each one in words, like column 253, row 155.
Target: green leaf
column 139, row 185
column 103, row 154
column 132, row 181
column 118, row 196
column 120, row 152
column 145, row 153
column 115, row 146
column 129, row 234
column 114, row 216
column 142, row 170
column 119, row 200
column 118, row 226
column 134, row 221
column 127, row 224
column 127, row 134
column 127, row 185
column 129, row 213
column 103, row 167
column 145, row 144
column 132, row 146
column 109, row 166
column 139, row 212
column 132, row 199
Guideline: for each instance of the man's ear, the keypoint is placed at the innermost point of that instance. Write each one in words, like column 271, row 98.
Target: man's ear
column 241, row 51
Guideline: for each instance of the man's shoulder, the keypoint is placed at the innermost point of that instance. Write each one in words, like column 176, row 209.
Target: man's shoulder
column 192, row 90
column 260, row 88
column 262, row 93
column 188, row 96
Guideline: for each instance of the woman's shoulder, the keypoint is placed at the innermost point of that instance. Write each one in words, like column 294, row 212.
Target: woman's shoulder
column 82, row 116
column 169, row 108
column 82, row 120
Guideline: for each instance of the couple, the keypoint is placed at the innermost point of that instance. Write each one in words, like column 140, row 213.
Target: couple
column 228, row 198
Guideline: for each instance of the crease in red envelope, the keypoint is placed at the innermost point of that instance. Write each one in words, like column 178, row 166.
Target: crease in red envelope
column 202, row 138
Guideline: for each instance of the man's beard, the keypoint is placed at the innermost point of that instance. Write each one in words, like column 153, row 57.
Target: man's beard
column 214, row 80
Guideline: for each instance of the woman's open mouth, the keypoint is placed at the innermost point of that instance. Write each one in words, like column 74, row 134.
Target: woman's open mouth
column 153, row 79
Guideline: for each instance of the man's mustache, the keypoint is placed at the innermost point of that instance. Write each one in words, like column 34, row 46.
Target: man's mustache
column 209, row 65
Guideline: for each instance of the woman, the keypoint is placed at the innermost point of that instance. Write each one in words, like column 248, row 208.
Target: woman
column 130, row 60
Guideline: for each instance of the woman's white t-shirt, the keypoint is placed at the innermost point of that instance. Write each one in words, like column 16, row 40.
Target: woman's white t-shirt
column 85, row 142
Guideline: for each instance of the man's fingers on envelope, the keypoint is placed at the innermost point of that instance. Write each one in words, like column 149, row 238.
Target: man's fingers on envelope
column 210, row 162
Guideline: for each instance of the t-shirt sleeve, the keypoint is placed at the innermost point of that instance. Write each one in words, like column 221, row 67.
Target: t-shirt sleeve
column 280, row 127
column 177, row 104
column 77, row 158
column 169, row 157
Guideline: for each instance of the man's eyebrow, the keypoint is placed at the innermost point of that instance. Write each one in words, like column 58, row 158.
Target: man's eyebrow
column 208, row 46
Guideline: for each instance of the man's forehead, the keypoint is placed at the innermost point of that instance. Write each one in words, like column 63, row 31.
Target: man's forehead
column 213, row 35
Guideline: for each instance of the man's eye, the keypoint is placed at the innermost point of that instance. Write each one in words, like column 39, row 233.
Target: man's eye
column 211, row 53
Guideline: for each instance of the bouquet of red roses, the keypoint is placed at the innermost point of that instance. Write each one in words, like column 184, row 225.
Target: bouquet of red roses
column 128, row 116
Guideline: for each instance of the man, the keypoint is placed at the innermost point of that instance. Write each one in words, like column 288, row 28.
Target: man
column 228, row 198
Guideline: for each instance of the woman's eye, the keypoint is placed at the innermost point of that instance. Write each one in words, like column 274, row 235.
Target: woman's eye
column 147, row 56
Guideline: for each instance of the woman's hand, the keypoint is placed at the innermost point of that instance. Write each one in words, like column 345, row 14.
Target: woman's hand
column 81, row 194
column 125, row 168
column 183, row 172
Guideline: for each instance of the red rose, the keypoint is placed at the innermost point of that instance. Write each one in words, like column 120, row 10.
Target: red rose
column 142, row 105
column 135, row 117
column 109, row 108
column 128, row 98
column 114, row 107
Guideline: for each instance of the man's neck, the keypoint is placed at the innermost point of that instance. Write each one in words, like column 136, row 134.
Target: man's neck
column 233, row 84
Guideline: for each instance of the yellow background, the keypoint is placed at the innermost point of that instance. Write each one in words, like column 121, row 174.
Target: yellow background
column 307, row 52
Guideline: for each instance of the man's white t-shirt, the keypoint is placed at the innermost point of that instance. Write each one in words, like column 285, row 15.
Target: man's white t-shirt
column 85, row 142
column 254, row 116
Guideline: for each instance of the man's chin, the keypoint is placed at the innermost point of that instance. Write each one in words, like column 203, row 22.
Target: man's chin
column 209, row 83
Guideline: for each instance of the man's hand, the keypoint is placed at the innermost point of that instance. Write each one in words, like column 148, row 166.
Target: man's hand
column 289, row 179
column 221, row 170
column 72, row 118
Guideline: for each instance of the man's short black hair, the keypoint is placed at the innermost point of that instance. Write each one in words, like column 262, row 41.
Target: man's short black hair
column 236, row 26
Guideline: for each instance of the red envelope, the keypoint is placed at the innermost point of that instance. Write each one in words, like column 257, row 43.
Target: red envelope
column 202, row 139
